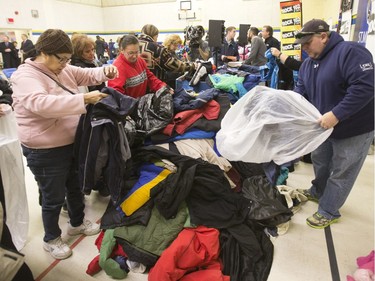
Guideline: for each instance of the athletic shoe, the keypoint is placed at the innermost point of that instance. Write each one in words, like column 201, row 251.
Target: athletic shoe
column 200, row 72
column 87, row 227
column 319, row 221
column 308, row 194
column 57, row 248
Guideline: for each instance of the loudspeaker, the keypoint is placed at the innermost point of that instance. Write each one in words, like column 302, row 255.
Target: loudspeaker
column 242, row 37
column 216, row 31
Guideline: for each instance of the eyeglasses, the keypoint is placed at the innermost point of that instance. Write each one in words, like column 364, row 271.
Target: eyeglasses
column 62, row 60
column 303, row 34
column 133, row 53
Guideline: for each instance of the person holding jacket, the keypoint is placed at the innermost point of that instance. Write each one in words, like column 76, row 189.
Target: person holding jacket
column 159, row 60
column 338, row 79
column 134, row 77
column 286, row 60
column 172, row 43
column 47, row 106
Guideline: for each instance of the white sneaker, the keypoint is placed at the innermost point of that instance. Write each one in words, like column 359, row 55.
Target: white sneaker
column 57, row 248
column 87, row 227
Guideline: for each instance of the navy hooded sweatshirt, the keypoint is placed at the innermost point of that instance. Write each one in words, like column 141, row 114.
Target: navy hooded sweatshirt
column 341, row 80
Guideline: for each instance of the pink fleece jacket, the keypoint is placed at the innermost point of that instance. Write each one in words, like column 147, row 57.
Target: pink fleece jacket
column 47, row 115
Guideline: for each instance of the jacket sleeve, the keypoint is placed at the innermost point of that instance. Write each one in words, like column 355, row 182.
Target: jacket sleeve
column 300, row 86
column 173, row 64
column 88, row 76
column 152, row 81
column 292, row 63
column 358, row 71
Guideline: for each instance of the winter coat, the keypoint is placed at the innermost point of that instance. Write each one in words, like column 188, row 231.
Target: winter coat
column 341, row 80
column 47, row 115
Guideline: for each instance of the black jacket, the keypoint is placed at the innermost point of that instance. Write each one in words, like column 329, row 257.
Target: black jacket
column 101, row 145
column 6, row 97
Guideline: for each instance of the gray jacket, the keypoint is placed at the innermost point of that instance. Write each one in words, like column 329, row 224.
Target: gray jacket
column 258, row 49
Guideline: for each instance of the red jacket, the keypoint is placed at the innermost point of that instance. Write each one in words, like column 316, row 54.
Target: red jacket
column 193, row 256
column 134, row 78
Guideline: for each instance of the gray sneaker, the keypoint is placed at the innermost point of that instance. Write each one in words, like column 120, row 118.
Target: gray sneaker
column 87, row 227
column 57, row 248
column 308, row 194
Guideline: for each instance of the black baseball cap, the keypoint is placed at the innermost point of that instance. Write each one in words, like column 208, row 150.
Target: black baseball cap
column 314, row 26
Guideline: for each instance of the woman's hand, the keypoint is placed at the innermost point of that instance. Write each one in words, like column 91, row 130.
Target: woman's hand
column 110, row 71
column 5, row 109
column 93, row 97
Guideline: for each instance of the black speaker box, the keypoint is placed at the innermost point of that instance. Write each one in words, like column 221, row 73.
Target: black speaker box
column 242, row 37
column 216, row 32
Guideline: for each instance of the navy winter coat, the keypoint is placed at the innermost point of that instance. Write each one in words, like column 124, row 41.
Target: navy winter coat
column 341, row 80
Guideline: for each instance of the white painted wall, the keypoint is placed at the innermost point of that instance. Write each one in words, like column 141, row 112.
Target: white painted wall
column 113, row 21
column 52, row 14
column 77, row 17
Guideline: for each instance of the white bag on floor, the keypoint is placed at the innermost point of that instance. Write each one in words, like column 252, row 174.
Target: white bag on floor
column 268, row 124
column 13, row 179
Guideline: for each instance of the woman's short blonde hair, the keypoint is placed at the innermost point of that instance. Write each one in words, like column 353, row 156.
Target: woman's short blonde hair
column 80, row 43
column 172, row 40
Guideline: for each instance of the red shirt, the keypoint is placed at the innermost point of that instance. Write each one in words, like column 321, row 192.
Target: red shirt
column 134, row 78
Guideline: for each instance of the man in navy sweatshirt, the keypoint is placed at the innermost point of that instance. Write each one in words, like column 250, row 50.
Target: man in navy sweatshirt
column 338, row 79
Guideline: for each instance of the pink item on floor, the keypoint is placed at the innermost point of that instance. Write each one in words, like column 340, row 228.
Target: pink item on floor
column 365, row 271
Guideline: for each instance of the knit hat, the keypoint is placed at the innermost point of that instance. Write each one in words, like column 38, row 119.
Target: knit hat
column 54, row 41
column 310, row 28
column 150, row 30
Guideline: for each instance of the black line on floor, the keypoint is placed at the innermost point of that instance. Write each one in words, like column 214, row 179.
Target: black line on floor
column 332, row 254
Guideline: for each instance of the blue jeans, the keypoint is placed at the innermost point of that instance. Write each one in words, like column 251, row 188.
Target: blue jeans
column 57, row 178
column 337, row 163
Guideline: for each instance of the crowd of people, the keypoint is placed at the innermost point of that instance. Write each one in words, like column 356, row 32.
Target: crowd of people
column 48, row 100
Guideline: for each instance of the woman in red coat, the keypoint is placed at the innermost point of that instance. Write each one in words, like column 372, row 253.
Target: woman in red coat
column 134, row 77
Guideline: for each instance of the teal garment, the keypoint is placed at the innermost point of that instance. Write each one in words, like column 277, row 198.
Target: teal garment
column 284, row 173
column 226, row 82
column 158, row 234
column 110, row 266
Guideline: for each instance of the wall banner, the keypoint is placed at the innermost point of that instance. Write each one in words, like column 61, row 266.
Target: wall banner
column 291, row 23
column 364, row 24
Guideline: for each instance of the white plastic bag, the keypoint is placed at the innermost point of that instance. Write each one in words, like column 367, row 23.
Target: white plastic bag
column 8, row 127
column 268, row 124
column 13, row 179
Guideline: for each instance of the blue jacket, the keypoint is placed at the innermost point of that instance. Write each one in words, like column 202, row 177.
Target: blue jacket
column 341, row 80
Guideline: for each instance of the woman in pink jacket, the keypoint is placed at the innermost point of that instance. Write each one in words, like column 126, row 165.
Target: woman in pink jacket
column 47, row 107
